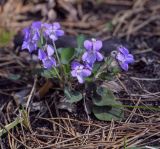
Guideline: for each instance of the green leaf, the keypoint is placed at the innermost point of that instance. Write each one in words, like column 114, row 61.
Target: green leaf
column 103, row 97
column 96, row 67
column 67, row 69
column 108, row 61
column 72, row 96
column 109, row 76
column 79, row 50
column 115, row 70
column 66, row 54
column 80, row 41
column 106, row 114
column 49, row 73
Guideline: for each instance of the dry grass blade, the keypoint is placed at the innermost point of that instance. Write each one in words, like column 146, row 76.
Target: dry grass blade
column 137, row 21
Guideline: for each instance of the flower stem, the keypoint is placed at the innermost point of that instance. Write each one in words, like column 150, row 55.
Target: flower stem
column 57, row 73
column 58, row 61
column 56, row 53
column 61, row 66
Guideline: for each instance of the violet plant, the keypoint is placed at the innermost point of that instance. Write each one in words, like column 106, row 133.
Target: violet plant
column 80, row 72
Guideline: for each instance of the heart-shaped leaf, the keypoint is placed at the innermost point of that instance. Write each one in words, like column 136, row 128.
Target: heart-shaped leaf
column 66, row 54
column 107, row 114
column 72, row 96
column 103, row 97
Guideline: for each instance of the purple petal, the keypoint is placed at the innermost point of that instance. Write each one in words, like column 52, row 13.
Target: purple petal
column 41, row 54
column 123, row 50
column 53, row 37
column 45, row 36
column 86, row 72
column 59, row 32
column 49, row 63
column 24, row 45
column 47, row 32
column 97, row 45
column 26, row 32
column 99, row 56
column 80, row 79
column 31, row 47
column 75, row 64
column 56, row 26
column 36, row 25
column 36, row 36
column 120, row 57
column 89, row 66
column 84, row 56
column 50, row 50
column 129, row 58
column 46, row 25
column 124, row 66
column 88, row 45
column 73, row 73
column 53, row 61
column 91, row 58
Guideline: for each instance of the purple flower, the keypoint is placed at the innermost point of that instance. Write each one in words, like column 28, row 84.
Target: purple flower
column 53, row 31
column 49, row 62
column 31, row 36
column 80, row 71
column 41, row 54
column 89, row 66
column 46, row 57
column 50, row 50
column 92, row 51
column 124, row 58
column 35, row 31
column 36, row 25
column 27, row 43
column 35, row 37
column 26, row 32
column 31, row 46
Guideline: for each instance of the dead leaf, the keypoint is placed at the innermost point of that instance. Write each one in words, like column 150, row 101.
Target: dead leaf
column 21, row 96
